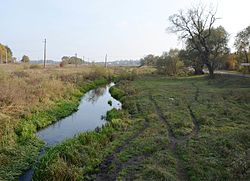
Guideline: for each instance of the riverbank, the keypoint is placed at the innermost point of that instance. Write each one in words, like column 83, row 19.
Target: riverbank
column 189, row 128
column 28, row 144
column 53, row 95
column 78, row 158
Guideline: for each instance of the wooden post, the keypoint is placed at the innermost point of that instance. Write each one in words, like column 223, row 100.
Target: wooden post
column 6, row 56
column 44, row 55
column 76, row 59
column 106, row 60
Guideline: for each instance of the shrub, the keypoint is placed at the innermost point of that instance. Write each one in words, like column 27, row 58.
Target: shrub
column 113, row 114
column 35, row 66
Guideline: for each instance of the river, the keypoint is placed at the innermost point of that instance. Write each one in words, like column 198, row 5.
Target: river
column 90, row 115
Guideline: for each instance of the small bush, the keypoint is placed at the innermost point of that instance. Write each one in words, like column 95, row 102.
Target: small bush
column 113, row 114
column 110, row 102
column 117, row 93
column 35, row 66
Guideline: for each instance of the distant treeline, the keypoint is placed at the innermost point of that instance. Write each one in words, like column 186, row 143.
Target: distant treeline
column 121, row 63
column 6, row 55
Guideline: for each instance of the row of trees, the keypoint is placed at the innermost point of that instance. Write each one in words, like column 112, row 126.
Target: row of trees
column 72, row 60
column 242, row 44
column 168, row 63
column 5, row 54
column 205, row 45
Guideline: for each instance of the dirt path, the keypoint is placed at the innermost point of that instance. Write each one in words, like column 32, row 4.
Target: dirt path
column 105, row 173
column 232, row 73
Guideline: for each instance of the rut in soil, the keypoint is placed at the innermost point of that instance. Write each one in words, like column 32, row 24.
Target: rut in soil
column 105, row 172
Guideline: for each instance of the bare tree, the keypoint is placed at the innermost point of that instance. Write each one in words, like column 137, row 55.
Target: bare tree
column 196, row 26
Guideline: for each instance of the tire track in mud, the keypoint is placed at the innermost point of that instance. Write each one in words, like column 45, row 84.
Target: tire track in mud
column 164, row 120
column 196, row 128
column 106, row 173
column 197, row 92
column 174, row 141
column 194, row 119
column 182, row 175
column 135, row 160
column 104, row 167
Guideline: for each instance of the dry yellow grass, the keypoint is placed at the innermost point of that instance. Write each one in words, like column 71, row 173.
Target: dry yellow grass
column 23, row 89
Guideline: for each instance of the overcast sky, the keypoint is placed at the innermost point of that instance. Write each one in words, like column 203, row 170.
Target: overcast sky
column 124, row 29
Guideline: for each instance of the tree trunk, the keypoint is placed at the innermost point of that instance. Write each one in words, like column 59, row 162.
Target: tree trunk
column 211, row 71
column 246, row 55
column 247, row 60
column 198, row 69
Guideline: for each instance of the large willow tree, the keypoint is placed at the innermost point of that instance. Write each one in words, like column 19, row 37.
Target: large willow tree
column 196, row 27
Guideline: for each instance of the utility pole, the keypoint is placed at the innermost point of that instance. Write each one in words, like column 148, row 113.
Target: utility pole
column 106, row 60
column 76, row 59
column 44, row 53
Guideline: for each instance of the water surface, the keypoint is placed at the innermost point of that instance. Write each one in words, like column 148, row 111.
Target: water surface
column 90, row 115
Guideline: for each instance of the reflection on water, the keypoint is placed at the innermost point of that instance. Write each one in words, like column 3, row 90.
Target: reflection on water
column 93, row 95
column 91, row 110
column 93, row 107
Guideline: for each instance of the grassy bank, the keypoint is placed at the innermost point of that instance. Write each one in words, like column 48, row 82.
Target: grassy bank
column 39, row 119
column 189, row 128
column 33, row 99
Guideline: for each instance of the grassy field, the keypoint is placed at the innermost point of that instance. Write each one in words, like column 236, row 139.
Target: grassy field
column 32, row 98
column 189, row 128
column 208, row 122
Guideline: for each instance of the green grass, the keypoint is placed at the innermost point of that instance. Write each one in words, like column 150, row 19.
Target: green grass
column 113, row 114
column 15, row 159
column 148, row 157
column 32, row 99
column 221, row 107
column 117, row 93
column 219, row 151
column 78, row 158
